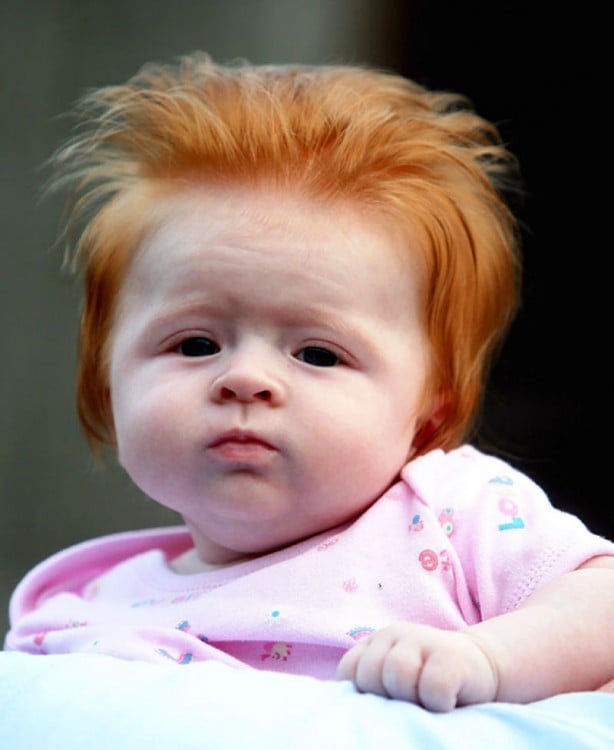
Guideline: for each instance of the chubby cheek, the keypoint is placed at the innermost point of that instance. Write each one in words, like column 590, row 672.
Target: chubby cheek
column 391, row 446
column 147, row 439
column 359, row 458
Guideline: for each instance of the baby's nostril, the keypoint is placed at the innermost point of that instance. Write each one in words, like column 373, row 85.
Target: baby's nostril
column 264, row 395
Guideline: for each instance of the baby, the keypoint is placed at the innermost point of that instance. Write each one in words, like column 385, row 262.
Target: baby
column 295, row 279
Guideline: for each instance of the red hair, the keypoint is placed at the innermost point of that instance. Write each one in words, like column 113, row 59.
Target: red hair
column 419, row 158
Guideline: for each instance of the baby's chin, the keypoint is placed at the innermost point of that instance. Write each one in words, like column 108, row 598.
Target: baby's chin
column 228, row 538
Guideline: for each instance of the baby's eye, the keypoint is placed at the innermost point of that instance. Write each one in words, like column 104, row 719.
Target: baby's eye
column 318, row 356
column 198, row 346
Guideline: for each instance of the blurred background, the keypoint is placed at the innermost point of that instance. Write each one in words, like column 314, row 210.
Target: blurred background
column 520, row 67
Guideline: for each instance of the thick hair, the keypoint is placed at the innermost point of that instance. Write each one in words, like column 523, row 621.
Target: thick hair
column 420, row 158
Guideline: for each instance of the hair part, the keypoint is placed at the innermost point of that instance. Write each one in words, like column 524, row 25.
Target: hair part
column 423, row 159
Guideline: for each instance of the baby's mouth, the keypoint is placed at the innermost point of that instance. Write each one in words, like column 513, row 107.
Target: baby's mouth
column 240, row 445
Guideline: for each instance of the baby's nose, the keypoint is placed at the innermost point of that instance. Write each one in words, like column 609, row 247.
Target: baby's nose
column 247, row 382
column 244, row 393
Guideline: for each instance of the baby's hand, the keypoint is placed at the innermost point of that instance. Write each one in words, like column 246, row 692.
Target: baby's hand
column 439, row 669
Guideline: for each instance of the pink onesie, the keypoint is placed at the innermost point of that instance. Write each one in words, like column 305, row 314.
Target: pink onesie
column 461, row 538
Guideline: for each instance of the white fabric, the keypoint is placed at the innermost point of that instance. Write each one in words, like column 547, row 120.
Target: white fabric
column 93, row 702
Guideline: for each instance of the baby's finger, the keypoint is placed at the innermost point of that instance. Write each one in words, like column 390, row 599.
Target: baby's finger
column 346, row 669
column 369, row 665
column 440, row 682
column 401, row 670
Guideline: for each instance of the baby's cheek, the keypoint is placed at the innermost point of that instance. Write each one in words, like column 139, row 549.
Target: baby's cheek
column 148, row 432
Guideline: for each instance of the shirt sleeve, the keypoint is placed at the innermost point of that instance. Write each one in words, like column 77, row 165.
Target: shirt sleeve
column 509, row 538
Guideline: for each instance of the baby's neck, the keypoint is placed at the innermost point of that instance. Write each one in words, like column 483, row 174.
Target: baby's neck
column 189, row 563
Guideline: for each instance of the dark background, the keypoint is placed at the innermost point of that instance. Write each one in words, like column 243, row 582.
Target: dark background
column 536, row 74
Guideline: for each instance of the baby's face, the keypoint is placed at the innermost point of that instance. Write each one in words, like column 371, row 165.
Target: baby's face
column 267, row 366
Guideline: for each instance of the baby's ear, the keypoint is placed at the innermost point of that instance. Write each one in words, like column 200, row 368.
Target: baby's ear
column 428, row 426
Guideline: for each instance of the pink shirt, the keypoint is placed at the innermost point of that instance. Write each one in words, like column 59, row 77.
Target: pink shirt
column 461, row 538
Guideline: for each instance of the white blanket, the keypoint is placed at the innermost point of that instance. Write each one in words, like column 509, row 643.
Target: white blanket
column 88, row 702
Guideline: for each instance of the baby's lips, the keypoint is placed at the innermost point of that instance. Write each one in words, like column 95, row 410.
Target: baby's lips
column 240, row 436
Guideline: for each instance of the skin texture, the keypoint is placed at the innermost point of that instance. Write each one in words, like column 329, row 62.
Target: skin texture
column 268, row 376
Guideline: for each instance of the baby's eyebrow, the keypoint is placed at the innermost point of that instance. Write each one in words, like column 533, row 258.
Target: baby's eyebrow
column 172, row 313
column 323, row 321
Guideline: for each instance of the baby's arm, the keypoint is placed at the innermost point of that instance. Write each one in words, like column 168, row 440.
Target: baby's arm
column 560, row 640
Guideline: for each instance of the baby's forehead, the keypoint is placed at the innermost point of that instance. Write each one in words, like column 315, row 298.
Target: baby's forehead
column 260, row 206
column 227, row 249
column 266, row 213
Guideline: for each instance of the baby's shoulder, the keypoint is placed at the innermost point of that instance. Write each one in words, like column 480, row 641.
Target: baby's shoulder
column 465, row 474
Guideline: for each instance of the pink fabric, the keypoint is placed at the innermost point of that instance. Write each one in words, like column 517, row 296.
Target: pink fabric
column 461, row 538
